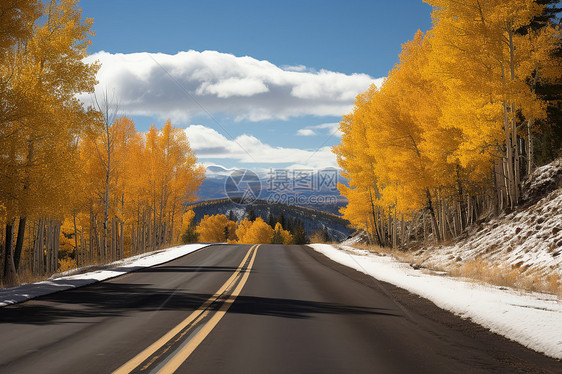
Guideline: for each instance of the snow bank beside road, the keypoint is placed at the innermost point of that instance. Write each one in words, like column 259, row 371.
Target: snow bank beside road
column 29, row 291
column 531, row 319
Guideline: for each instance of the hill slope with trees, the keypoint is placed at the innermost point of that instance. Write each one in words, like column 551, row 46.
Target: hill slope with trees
column 458, row 124
column 313, row 221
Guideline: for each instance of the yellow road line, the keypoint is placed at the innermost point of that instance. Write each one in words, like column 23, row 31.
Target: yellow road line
column 174, row 363
column 184, row 332
column 150, row 350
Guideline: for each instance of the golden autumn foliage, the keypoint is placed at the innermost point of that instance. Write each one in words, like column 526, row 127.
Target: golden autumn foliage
column 491, row 70
column 40, row 115
column 67, row 241
column 142, row 180
column 242, row 228
column 218, row 228
column 255, row 232
column 41, row 72
column 116, row 190
column 452, row 121
column 213, row 229
column 143, row 213
column 187, row 220
column 281, row 236
column 231, row 231
column 16, row 19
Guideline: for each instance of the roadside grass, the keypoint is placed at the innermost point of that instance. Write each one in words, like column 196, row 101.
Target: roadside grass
column 26, row 277
column 507, row 276
column 477, row 270
column 319, row 237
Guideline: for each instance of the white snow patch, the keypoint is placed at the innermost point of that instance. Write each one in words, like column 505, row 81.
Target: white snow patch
column 354, row 239
column 526, row 242
column 529, row 239
column 542, row 176
column 531, row 319
column 29, row 291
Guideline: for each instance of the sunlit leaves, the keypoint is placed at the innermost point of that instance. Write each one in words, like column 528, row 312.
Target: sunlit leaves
column 448, row 110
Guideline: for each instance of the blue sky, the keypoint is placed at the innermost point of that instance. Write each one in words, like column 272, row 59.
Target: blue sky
column 273, row 69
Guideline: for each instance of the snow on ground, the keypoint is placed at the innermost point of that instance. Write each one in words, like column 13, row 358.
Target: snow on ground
column 356, row 239
column 526, row 242
column 29, row 291
column 544, row 179
column 531, row 319
column 529, row 240
column 522, row 249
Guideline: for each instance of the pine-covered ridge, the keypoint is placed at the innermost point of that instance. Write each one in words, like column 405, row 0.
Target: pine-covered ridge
column 313, row 220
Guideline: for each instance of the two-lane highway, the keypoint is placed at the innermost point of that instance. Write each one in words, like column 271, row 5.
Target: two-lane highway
column 249, row 309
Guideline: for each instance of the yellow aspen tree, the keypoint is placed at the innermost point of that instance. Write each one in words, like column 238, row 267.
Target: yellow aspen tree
column 281, row 236
column 155, row 203
column 46, row 73
column 187, row 220
column 394, row 151
column 105, row 155
column 242, row 229
column 358, row 166
column 17, row 18
column 16, row 21
column 213, row 229
column 258, row 232
column 182, row 175
column 394, row 137
column 137, row 197
column 486, row 65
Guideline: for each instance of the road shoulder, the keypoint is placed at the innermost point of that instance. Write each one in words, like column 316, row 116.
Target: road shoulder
column 19, row 294
column 511, row 354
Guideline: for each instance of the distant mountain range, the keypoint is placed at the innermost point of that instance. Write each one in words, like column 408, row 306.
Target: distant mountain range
column 306, row 188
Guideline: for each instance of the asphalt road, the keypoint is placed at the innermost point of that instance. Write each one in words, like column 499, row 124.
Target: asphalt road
column 248, row 309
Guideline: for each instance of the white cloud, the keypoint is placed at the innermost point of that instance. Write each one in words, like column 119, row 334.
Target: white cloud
column 294, row 67
column 326, row 129
column 190, row 83
column 209, row 144
column 306, row 132
column 233, row 87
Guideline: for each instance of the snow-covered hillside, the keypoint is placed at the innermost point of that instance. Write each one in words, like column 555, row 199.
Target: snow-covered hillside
column 521, row 249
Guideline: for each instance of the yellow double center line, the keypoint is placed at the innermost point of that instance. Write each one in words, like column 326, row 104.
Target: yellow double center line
column 174, row 363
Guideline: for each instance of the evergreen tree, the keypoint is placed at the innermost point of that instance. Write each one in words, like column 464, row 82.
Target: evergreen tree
column 231, row 216
column 326, row 235
column 299, row 236
column 251, row 214
column 277, row 238
column 189, row 235
column 548, row 140
column 271, row 221
column 281, row 220
column 290, row 225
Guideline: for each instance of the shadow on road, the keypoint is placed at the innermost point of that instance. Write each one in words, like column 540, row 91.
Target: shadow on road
column 117, row 299
column 187, row 269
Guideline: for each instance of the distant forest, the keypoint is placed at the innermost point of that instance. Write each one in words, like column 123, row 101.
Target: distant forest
column 313, row 220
